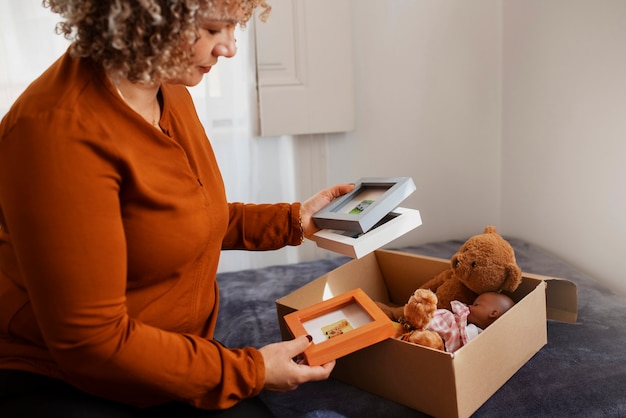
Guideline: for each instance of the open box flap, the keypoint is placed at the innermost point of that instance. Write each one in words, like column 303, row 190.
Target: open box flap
column 561, row 298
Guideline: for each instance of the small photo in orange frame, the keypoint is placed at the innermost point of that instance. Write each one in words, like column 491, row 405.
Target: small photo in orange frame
column 340, row 326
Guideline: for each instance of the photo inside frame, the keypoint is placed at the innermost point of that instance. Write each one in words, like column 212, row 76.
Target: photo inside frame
column 341, row 321
column 366, row 196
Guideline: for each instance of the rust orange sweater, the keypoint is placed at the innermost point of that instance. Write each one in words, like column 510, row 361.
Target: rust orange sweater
column 110, row 235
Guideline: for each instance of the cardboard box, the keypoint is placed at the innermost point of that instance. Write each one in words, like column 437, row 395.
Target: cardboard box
column 432, row 381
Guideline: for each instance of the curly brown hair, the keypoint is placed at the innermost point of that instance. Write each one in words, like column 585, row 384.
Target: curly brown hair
column 142, row 40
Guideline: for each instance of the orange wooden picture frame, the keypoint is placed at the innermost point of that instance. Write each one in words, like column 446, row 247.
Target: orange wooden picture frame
column 367, row 325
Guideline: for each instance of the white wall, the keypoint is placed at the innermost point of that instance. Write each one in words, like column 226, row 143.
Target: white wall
column 504, row 112
column 428, row 91
column 564, row 141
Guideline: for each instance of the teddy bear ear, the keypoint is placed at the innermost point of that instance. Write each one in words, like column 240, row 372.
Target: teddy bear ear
column 513, row 277
column 490, row 229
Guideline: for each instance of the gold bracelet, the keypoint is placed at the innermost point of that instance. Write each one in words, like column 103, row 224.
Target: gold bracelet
column 301, row 229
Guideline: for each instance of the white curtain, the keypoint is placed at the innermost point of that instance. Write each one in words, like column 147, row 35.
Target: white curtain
column 255, row 170
column 27, row 46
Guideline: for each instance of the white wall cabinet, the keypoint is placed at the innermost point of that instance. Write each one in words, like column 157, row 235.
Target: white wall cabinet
column 305, row 68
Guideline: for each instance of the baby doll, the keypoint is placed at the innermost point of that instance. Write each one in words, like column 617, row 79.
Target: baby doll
column 459, row 326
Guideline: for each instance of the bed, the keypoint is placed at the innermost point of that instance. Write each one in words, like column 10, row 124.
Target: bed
column 581, row 372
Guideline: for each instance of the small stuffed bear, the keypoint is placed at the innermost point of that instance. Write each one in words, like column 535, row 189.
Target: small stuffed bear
column 416, row 315
column 484, row 263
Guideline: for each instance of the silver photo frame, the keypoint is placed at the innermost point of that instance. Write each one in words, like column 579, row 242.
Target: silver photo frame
column 370, row 201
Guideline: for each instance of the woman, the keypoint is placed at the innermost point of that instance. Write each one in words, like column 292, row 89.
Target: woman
column 112, row 218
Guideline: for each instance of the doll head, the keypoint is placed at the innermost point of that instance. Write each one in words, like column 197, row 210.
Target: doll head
column 488, row 307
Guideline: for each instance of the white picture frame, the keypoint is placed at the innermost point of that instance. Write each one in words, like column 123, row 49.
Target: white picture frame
column 357, row 245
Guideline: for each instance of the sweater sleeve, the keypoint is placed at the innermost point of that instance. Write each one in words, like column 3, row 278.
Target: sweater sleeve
column 60, row 202
column 263, row 226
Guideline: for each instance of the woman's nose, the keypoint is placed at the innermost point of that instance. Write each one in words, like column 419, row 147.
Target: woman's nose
column 226, row 47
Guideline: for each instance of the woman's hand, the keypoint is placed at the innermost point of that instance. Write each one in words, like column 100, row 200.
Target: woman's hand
column 317, row 202
column 282, row 373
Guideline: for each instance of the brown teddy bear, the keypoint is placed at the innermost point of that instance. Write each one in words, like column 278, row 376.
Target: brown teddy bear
column 484, row 263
